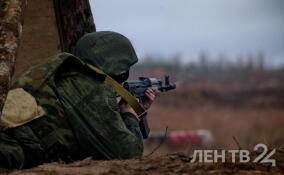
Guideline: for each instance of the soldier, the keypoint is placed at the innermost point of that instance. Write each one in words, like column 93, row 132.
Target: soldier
column 82, row 117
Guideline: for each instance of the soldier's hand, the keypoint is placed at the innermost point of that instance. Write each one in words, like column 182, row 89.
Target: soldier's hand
column 151, row 95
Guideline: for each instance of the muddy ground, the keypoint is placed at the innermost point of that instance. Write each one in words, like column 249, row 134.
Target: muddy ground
column 174, row 163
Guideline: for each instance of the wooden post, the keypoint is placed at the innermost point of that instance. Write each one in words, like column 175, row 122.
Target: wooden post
column 74, row 19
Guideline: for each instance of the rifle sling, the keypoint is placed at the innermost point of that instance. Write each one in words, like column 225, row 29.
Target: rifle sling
column 127, row 96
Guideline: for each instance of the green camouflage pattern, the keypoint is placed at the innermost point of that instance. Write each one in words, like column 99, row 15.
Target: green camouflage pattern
column 109, row 51
column 83, row 118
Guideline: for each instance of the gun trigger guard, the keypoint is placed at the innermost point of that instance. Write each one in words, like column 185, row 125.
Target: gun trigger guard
column 141, row 116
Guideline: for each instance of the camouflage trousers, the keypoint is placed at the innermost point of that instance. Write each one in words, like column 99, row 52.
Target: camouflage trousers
column 20, row 147
column 33, row 144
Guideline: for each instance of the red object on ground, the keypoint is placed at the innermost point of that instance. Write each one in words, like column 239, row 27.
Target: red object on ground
column 198, row 138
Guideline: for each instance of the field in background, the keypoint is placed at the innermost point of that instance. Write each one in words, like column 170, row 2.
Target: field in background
column 242, row 101
column 249, row 126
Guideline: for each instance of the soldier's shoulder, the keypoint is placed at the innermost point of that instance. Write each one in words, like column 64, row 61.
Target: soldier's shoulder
column 39, row 73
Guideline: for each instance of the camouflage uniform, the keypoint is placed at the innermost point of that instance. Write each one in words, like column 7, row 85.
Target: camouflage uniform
column 83, row 118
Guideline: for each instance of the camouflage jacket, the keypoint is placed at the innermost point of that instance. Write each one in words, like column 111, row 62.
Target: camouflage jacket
column 81, row 111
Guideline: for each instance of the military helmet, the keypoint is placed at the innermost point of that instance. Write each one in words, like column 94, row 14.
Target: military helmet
column 111, row 52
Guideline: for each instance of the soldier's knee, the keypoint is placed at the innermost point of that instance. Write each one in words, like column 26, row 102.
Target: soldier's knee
column 11, row 153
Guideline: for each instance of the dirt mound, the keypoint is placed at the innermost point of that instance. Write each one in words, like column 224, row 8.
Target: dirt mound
column 175, row 163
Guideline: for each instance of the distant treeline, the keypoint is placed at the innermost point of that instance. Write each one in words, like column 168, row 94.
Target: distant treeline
column 252, row 69
column 205, row 64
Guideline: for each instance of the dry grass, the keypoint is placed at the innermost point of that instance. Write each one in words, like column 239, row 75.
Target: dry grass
column 249, row 125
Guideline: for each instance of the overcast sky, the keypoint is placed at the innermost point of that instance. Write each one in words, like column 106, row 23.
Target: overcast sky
column 167, row 27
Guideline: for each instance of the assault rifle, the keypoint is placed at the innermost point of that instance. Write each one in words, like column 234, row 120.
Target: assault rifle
column 138, row 89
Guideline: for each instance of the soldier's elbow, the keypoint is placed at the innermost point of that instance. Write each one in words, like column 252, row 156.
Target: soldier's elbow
column 133, row 151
